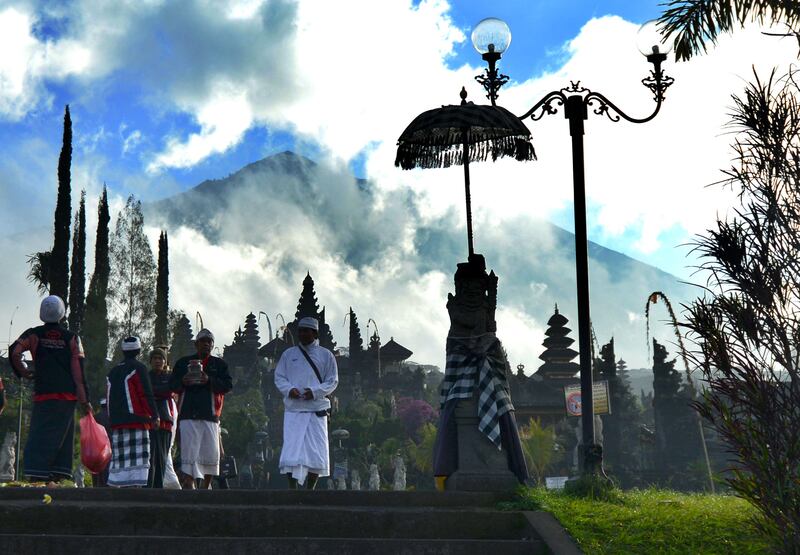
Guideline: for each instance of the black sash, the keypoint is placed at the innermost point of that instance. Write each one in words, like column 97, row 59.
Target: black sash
column 320, row 413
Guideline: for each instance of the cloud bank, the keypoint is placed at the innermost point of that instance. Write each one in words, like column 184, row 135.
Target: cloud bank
column 348, row 77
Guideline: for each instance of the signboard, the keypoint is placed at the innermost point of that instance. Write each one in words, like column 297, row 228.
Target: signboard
column 555, row 482
column 572, row 398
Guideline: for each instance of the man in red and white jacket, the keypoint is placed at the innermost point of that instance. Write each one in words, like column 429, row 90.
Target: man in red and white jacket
column 58, row 383
column 133, row 413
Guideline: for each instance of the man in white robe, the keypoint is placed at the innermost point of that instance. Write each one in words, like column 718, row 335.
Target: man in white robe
column 304, row 457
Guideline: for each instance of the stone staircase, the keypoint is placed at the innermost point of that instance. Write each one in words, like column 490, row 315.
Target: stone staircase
column 232, row 522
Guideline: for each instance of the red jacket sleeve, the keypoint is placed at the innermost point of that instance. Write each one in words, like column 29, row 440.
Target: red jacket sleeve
column 28, row 341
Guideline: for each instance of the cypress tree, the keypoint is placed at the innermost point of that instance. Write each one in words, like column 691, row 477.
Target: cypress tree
column 59, row 260
column 162, row 291
column 621, row 427
column 95, row 325
column 677, row 439
column 77, row 271
column 307, row 306
column 355, row 342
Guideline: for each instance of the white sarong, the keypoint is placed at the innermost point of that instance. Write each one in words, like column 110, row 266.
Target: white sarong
column 171, row 480
column 305, row 445
column 199, row 448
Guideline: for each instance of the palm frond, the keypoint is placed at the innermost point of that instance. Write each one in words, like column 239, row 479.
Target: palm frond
column 695, row 23
column 39, row 271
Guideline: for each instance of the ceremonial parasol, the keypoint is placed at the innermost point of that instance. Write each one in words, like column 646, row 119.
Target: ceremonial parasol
column 460, row 134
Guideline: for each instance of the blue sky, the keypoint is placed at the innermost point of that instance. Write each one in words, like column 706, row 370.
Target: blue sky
column 165, row 95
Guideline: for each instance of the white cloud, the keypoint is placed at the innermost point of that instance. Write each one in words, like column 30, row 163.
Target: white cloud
column 197, row 285
column 223, row 120
column 27, row 61
column 131, row 141
column 522, row 335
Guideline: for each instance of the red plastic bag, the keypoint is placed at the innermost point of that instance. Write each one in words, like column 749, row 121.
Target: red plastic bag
column 95, row 445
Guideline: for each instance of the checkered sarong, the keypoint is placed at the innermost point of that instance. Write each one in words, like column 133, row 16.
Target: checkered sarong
column 130, row 457
column 480, row 357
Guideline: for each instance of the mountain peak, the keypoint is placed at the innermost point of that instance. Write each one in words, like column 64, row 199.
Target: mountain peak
column 285, row 162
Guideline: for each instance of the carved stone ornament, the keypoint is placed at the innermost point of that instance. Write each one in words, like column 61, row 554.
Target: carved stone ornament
column 472, row 308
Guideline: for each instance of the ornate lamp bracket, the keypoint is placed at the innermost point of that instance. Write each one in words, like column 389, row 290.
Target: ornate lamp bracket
column 657, row 82
column 492, row 80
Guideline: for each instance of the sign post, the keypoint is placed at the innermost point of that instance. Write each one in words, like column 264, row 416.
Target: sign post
column 601, row 399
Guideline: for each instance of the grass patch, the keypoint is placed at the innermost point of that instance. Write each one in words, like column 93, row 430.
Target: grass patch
column 652, row 521
column 20, row 484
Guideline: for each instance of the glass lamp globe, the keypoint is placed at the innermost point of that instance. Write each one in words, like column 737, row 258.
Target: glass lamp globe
column 491, row 35
column 650, row 41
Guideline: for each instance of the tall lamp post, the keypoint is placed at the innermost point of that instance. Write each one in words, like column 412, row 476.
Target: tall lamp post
column 491, row 37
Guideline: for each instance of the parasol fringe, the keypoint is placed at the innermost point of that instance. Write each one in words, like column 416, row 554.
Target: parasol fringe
column 445, row 150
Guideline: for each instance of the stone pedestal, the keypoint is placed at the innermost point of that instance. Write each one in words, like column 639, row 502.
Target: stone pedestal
column 481, row 465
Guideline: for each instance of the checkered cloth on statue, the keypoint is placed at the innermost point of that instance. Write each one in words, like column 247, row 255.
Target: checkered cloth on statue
column 481, row 358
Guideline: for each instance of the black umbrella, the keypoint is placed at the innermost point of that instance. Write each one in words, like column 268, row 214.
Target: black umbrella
column 460, row 134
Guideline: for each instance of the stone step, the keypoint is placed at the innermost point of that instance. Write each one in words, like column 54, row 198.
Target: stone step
column 263, row 497
column 139, row 521
column 137, row 545
column 28, row 516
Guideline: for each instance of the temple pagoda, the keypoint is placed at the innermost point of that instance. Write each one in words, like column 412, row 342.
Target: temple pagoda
column 242, row 355
column 558, row 356
column 274, row 349
column 393, row 354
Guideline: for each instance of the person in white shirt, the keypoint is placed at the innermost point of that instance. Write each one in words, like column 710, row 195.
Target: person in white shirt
column 304, row 457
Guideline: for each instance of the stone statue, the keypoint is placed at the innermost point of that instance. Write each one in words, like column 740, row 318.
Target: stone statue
column 341, row 483
column 598, row 429
column 598, row 439
column 392, row 406
column 8, row 457
column 576, row 457
column 476, row 396
column 399, row 473
column 331, row 483
column 472, row 308
column 355, row 480
column 374, row 478
column 77, row 477
column 246, row 476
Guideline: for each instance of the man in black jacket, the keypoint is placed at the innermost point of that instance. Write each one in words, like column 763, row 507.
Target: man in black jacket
column 58, row 383
column 202, row 391
column 133, row 413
